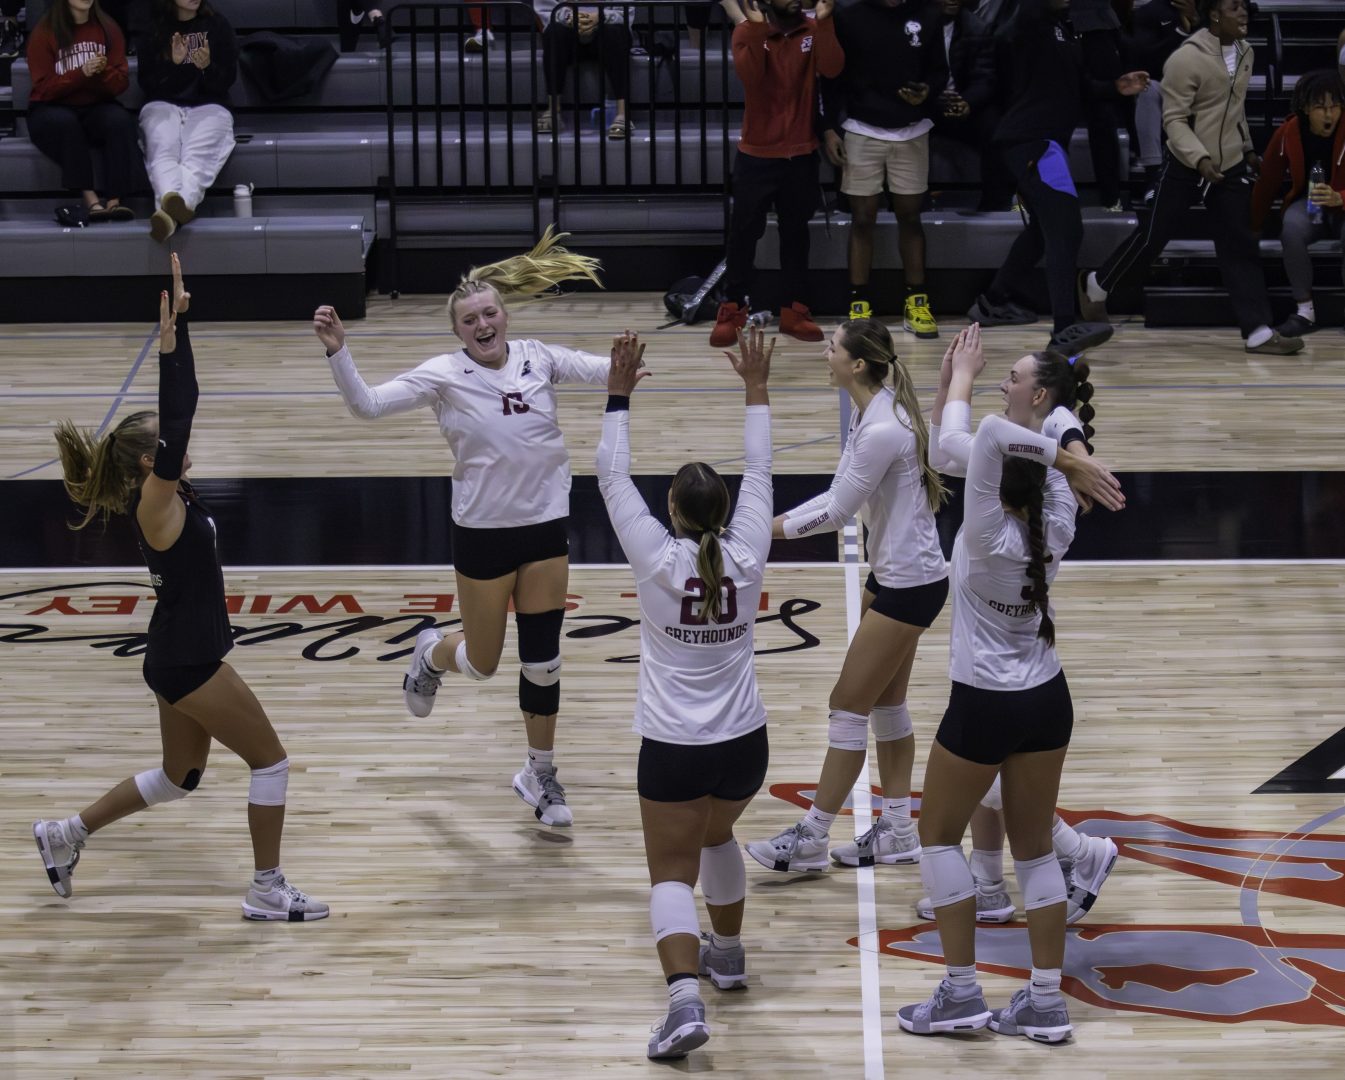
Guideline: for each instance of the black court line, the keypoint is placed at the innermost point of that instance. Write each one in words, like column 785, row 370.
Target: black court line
column 1312, row 773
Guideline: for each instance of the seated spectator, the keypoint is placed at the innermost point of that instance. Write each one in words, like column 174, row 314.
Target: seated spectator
column 1158, row 28
column 968, row 108
column 584, row 33
column 1312, row 136
column 77, row 61
column 351, row 16
column 187, row 65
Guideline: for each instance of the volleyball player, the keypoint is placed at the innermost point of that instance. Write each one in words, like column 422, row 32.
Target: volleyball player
column 140, row 468
column 1009, row 711
column 703, row 751
column 885, row 469
column 495, row 402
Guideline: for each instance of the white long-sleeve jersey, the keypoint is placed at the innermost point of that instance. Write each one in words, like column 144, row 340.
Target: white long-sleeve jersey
column 950, row 442
column 880, row 471
column 698, row 682
column 994, row 643
column 510, row 466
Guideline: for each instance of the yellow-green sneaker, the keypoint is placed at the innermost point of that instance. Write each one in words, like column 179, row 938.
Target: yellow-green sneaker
column 859, row 309
column 919, row 320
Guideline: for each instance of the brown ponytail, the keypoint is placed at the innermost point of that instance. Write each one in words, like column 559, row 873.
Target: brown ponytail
column 700, row 506
column 102, row 475
column 1022, row 487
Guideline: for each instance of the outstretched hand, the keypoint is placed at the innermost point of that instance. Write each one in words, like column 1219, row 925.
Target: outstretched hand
column 627, row 365
column 1091, row 481
column 752, row 362
column 327, row 326
column 966, row 354
column 169, row 310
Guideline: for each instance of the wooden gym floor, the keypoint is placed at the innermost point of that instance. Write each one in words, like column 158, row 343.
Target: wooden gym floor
column 468, row 941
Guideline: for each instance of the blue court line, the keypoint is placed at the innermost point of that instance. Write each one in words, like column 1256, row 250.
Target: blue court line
column 777, row 449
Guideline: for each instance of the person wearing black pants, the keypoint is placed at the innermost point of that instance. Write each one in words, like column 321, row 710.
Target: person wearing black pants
column 968, row 108
column 790, row 186
column 1209, row 158
column 1050, row 83
column 1099, row 33
column 569, row 37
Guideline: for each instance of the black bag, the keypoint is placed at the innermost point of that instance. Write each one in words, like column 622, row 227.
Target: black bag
column 694, row 299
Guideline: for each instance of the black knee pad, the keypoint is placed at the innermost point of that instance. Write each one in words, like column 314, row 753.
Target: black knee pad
column 539, row 661
column 192, row 780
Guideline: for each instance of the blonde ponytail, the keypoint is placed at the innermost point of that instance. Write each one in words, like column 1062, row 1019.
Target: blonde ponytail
column 710, row 569
column 102, row 475
column 530, row 274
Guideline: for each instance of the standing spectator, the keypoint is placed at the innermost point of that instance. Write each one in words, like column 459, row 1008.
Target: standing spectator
column 1049, row 84
column 77, row 61
column 1312, row 137
column 1209, row 157
column 187, row 65
column 1099, row 33
column 879, row 116
column 11, row 33
column 968, row 108
column 778, row 52
column 351, row 15
column 1158, row 28
column 584, row 33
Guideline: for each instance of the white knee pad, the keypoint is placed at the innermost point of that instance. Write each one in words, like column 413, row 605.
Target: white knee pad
column 946, row 875
column 847, row 730
column 269, row 784
column 891, row 722
column 994, row 798
column 1041, row 881
column 465, row 665
column 672, row 910
column 723, row 875
column 155, row 787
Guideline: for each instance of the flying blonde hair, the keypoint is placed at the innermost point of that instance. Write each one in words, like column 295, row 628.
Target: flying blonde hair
column 530, row 274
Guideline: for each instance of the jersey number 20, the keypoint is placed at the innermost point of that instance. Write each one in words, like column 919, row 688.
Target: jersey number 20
column 692, row 603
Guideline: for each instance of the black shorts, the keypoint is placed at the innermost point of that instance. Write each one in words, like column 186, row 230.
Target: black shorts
column 918, row 605
column 485, row 554
column 986, row 726
column 174, row 683
column 732, row 770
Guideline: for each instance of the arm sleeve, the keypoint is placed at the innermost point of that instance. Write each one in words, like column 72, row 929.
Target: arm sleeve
column 571, row 365
column 955, row 438
column 159, row 77
column 995, row 438
column 755, row 513
column 869, row 457
column 1271, row 178
column 749, row 53
column 223, row 69
column 1062, row 426
column 980, row 89
column 936, row 63
column 404, row 393
column 1179, row 93
column 177, row 404
column 47, row 85
column 817, row 502
column 642, row 538
column 1060, row 513
column 827, row 52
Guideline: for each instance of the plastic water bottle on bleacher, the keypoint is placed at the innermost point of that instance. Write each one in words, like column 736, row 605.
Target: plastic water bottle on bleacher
column 243, row 200
column 1315, row 177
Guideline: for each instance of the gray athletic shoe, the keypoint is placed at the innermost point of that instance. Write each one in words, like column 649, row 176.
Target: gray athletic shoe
column 545, row 794
column 282, row 902
column 680, row 1032
column 418, row 685
column 59, row 855
column 943, row 1014
column 993, row 904
column 1021, row 1017
column 1084, row 879
column 881, row 844
column 726, row 969
column 794, row 850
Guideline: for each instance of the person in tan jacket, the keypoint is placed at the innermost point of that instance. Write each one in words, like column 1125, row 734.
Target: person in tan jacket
column 1209, row 157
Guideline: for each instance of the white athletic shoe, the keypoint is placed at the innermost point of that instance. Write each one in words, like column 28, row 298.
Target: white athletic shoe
column 944, row 1014
column 59, row 855
column 992, row 904
column 1084, row 879
column 1049, row 1025
column 727, row 969
column 794, row 851
column 881, row 844
column 418, row 685
column 679, row 1032
column 282, row 902
column 545, row 794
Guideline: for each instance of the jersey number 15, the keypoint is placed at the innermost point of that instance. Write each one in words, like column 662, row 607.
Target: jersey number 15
column 693, row 603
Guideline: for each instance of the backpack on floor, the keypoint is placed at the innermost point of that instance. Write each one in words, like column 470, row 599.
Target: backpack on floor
column 695, row 299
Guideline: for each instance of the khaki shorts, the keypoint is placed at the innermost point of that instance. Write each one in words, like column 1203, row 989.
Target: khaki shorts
column 867, row 160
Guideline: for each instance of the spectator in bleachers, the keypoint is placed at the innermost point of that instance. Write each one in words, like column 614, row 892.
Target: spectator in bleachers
column 968, row 108
column 879, row 114
column 574, row 34
column 77, row 61
column 1313, row 135
column 351, row 17
column 11, row 33
column 778, row 52
column 1099, row 32
column 1157, row 29
column 1209, row 158
column 1049, row 82
column 187, row 65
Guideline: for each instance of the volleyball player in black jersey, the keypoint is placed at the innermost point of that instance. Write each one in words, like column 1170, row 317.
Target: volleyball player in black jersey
column 139, row 469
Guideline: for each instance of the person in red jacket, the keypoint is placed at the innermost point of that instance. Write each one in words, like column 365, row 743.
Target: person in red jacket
column 778, row 52
column 1313, row 135
column 77, row 60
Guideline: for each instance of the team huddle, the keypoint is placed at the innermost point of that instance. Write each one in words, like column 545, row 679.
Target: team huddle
column 994, row 764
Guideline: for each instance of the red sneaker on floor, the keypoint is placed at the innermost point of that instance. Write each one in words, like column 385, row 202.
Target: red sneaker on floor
column 797, row 321
column 728, row 322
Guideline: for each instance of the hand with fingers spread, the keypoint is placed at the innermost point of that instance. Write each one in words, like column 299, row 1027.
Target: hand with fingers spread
column 1091, row 481
column 627, row 365
column 327, row 326
column 752, row 362
column 177, row 47
column 169, row 310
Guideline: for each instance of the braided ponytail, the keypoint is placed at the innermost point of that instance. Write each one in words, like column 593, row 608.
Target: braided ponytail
column 700, row 506
column 1021, row 487
column 102, row 475
column 530, row 274
column 1068, row 385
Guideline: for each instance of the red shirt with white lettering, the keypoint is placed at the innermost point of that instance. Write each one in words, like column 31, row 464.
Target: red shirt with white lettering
column 779, row 69
column 58, row 73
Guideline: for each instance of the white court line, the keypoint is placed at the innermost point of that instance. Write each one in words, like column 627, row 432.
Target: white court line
column 1339, row 774
column 353, row 568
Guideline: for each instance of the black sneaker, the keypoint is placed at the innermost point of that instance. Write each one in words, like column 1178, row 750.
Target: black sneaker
column 72, row 217
column 1295, row 326
column 1079, row 337
column 1005, row 314
column 11, row 39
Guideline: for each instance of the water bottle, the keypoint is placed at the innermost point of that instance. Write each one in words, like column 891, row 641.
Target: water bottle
column 243, row 200
column 1316, row 176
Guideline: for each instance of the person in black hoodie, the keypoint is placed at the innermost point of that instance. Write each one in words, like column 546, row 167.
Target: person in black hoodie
column 187, row 65
column 1049, row 85
column 879, row 114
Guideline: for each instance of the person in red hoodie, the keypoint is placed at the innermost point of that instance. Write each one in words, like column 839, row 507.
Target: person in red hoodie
column 77, row 60
column 1313, row 135
column 778, row 52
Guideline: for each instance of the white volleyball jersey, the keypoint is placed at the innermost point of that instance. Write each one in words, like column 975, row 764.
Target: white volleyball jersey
column 510, row 466
column 698, row 682
column 880, row 471
column 994, row 643
column 950, row 443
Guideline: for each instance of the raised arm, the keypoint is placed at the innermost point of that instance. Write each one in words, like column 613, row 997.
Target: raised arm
column 408, row 391
column 571, row 365
column 996, row 438
column 950, row 420
column 756, row 501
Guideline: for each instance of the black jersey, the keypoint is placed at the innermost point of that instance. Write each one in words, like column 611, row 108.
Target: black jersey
column 190, row 624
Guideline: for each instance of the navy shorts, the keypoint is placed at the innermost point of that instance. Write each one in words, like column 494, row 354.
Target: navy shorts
column 918, row 605
column 485, row 554
column 732, row 770
column 987, row 726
